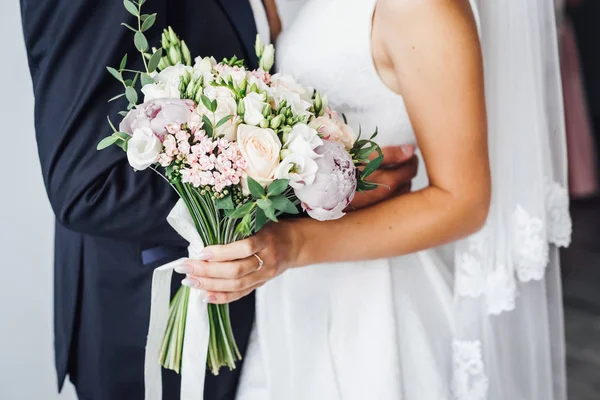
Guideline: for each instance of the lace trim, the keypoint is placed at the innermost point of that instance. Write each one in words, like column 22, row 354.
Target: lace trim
column 531, row 237
column 470, row 381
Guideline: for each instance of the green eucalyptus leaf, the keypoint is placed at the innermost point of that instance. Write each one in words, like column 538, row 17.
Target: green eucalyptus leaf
column 208, row 127
column 277, row 187
column 226, row 203
column 207, row 103
column 148, row 22
column 259, row 220
column 256, row 189
column 213, row 105
column 283, row 204
column 123, row 136
column 242, row 210
column 140, row 41
column 264, row 204
column 106, row 142
column 372, row 166
column 270, row 213
column 223, row 121
column 131, row 95
column 123, row 113
column 154, row 60
column 141, row 2
column 123, row 62
column 146, row 80
column 116, row 97
column 133, row 10
column 115, row 73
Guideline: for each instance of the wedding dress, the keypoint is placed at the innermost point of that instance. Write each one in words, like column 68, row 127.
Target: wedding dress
column 421, row 326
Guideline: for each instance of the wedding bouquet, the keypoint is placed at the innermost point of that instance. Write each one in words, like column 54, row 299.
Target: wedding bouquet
column 241, row 148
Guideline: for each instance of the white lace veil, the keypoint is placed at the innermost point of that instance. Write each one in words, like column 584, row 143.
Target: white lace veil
column 509, row 332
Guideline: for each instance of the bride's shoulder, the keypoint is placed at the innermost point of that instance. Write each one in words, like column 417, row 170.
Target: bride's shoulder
column 424, row 11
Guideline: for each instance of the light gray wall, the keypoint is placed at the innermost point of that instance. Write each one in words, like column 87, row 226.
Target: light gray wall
column 26, row 233
column 26, row 229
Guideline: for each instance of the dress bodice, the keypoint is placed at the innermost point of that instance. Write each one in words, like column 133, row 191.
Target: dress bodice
column 328, row 46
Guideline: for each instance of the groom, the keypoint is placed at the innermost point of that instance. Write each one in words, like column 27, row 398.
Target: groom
column 111, row 231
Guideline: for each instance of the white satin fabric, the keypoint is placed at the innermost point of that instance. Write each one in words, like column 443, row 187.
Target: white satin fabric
column 421, row 327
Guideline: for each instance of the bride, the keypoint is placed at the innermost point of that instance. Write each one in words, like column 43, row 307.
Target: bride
column 370, row 306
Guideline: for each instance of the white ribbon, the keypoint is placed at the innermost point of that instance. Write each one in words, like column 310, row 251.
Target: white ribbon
column 197, row 328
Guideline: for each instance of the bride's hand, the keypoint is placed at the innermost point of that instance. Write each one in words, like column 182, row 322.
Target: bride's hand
column 398, row 169
column 230, row 272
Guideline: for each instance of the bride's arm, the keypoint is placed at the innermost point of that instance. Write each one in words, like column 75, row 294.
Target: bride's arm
column 428, row 51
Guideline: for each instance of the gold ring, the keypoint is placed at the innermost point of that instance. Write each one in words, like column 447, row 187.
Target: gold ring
column 260, row 261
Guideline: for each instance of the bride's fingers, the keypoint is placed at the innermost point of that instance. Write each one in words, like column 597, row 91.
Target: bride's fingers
column 228, row 297
column 222, row 270
column 224, row 285
column 234, row 251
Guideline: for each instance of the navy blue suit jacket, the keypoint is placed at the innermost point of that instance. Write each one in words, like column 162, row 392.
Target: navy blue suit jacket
column 110, row 221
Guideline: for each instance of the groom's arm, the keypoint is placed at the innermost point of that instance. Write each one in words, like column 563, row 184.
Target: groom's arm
column 69, row 43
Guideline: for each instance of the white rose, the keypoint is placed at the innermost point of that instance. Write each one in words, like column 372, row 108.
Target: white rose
column 289, row 84
column 303, row 140
column 253, row 105
column 260, row 147
column 155, row 91
column 143, row 149
column 299, row 169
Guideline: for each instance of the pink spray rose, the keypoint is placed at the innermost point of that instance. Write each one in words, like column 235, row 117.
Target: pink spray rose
column 159, row 115
column 331, row 127
column 334, row 185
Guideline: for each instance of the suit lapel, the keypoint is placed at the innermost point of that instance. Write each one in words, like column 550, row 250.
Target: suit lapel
column 242, row 18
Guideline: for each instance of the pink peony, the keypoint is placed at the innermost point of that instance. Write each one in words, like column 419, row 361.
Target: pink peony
column 160, row 115
column 334, row 185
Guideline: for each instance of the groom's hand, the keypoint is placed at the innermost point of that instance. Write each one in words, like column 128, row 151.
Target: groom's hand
column 398, row 169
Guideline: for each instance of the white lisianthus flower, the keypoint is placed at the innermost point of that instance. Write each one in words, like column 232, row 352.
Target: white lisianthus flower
column 299, row 169
column 260, row 148
column 143, row 149
column 254, row 103
column 288, row 83
column 226, row 105
column 285, row 87
column 204, row 65
column 303, row 140
column 167, row 83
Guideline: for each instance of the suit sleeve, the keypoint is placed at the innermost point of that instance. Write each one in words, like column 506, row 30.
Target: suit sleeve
column 69, row 44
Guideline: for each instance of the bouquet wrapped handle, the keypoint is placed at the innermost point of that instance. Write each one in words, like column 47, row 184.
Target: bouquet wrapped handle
column 197, row 327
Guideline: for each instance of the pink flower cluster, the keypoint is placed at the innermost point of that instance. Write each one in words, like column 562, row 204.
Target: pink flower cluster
column 207, row 162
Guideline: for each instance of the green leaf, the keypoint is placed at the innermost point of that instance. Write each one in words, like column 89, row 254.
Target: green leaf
column 372, row 166
column 256, row 189
column 148, row 22
column 131, row 95
column 223, row 121
column 116, row 97
column 207, row 103
column 146, row 80
column 123, row 136
column 374, row 134
column 131, row 28
column 112, row 126
column 208, row 127
column 364, row 186
column 243, row 229
column 213, row 105
column 264, row 204
column 226, row 203
column 106, row 142
column 283, row 204
column 123, row 62
column 242, row 210
column 154, row 60
column 278, row 187
column 259, row 220
column 141, row 2
column 140, row 41
column 133, row 10
column 115, row 73
column 123, row 113
column 270, row 213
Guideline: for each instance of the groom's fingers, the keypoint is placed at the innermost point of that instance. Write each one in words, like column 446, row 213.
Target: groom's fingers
column 394, row 155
